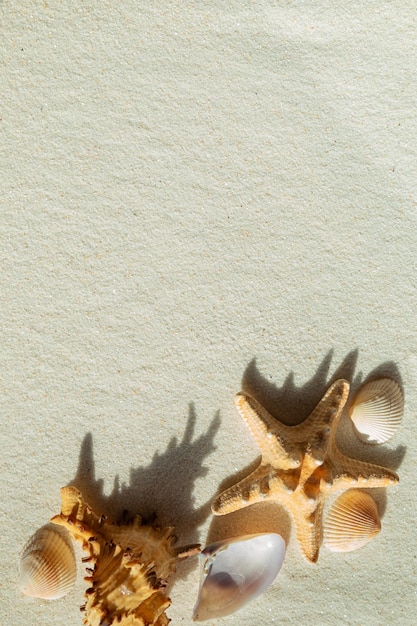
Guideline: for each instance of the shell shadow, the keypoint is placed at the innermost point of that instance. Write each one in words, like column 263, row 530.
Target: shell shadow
column 263, row 517
column 292, row 404
column 162, row 491
column 352, row 446
column 347, row 440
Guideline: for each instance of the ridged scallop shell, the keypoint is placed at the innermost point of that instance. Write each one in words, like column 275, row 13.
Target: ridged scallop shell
column 128, row 565
column 377, row 410
column 47, row 564
column 353, row 520
column 236, row 571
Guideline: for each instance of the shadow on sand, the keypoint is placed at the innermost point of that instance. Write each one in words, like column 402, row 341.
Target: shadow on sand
column 161, row 491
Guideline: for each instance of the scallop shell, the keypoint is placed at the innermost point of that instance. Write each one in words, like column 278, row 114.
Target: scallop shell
column 352, row 521
column 377, row 410
column 128, row 565
column 236, row 571
column 47, row 564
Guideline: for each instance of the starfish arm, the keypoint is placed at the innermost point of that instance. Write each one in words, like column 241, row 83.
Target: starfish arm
column 308, row 529
column 254, row 488
column 349, row 472
column 264, row 429
column 320, row 426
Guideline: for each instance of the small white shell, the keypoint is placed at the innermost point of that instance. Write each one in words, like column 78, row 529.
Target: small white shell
column 377, row 410
column 235, row 571
column 353, row 520
column 47, row 565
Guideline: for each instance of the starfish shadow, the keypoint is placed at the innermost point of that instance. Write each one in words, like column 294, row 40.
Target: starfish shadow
column 291, row 405
column 161, row 491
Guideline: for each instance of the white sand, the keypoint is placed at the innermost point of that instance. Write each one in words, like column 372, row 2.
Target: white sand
column 190, row 196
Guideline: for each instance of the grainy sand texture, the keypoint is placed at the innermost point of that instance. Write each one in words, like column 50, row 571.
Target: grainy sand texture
column 200, row 197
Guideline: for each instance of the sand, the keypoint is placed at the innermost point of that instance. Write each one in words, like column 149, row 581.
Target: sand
column 199, row 197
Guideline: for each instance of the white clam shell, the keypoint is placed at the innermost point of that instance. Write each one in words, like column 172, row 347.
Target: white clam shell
column 236, row 571
column 377, row 410
column 47, row 564
column 353, row 520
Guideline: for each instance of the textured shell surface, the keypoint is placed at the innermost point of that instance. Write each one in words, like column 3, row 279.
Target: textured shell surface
column 235, row 571
column 47, row 564
column 377, row 410
column 127, row 565
column 352, row 521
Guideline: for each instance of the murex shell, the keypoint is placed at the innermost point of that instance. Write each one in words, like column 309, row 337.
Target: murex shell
column 236, row 571
column 128, row 565
column 377, row 410
column 47, row 564
column 352, row 521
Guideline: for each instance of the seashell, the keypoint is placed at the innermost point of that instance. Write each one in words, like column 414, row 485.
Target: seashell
column 47, row 564
column 236, row 571
column 377, row 410
column 128, row 565
column 352, row 521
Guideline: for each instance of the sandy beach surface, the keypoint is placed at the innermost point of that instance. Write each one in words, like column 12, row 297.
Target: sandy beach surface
column 198, row 198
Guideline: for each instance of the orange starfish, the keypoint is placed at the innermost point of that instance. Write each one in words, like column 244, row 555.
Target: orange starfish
column 301, row 465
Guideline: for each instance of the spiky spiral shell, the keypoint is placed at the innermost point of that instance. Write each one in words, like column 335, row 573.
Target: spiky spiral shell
column 128, row 565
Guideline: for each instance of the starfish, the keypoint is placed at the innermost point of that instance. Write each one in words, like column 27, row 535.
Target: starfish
column 300, row 466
